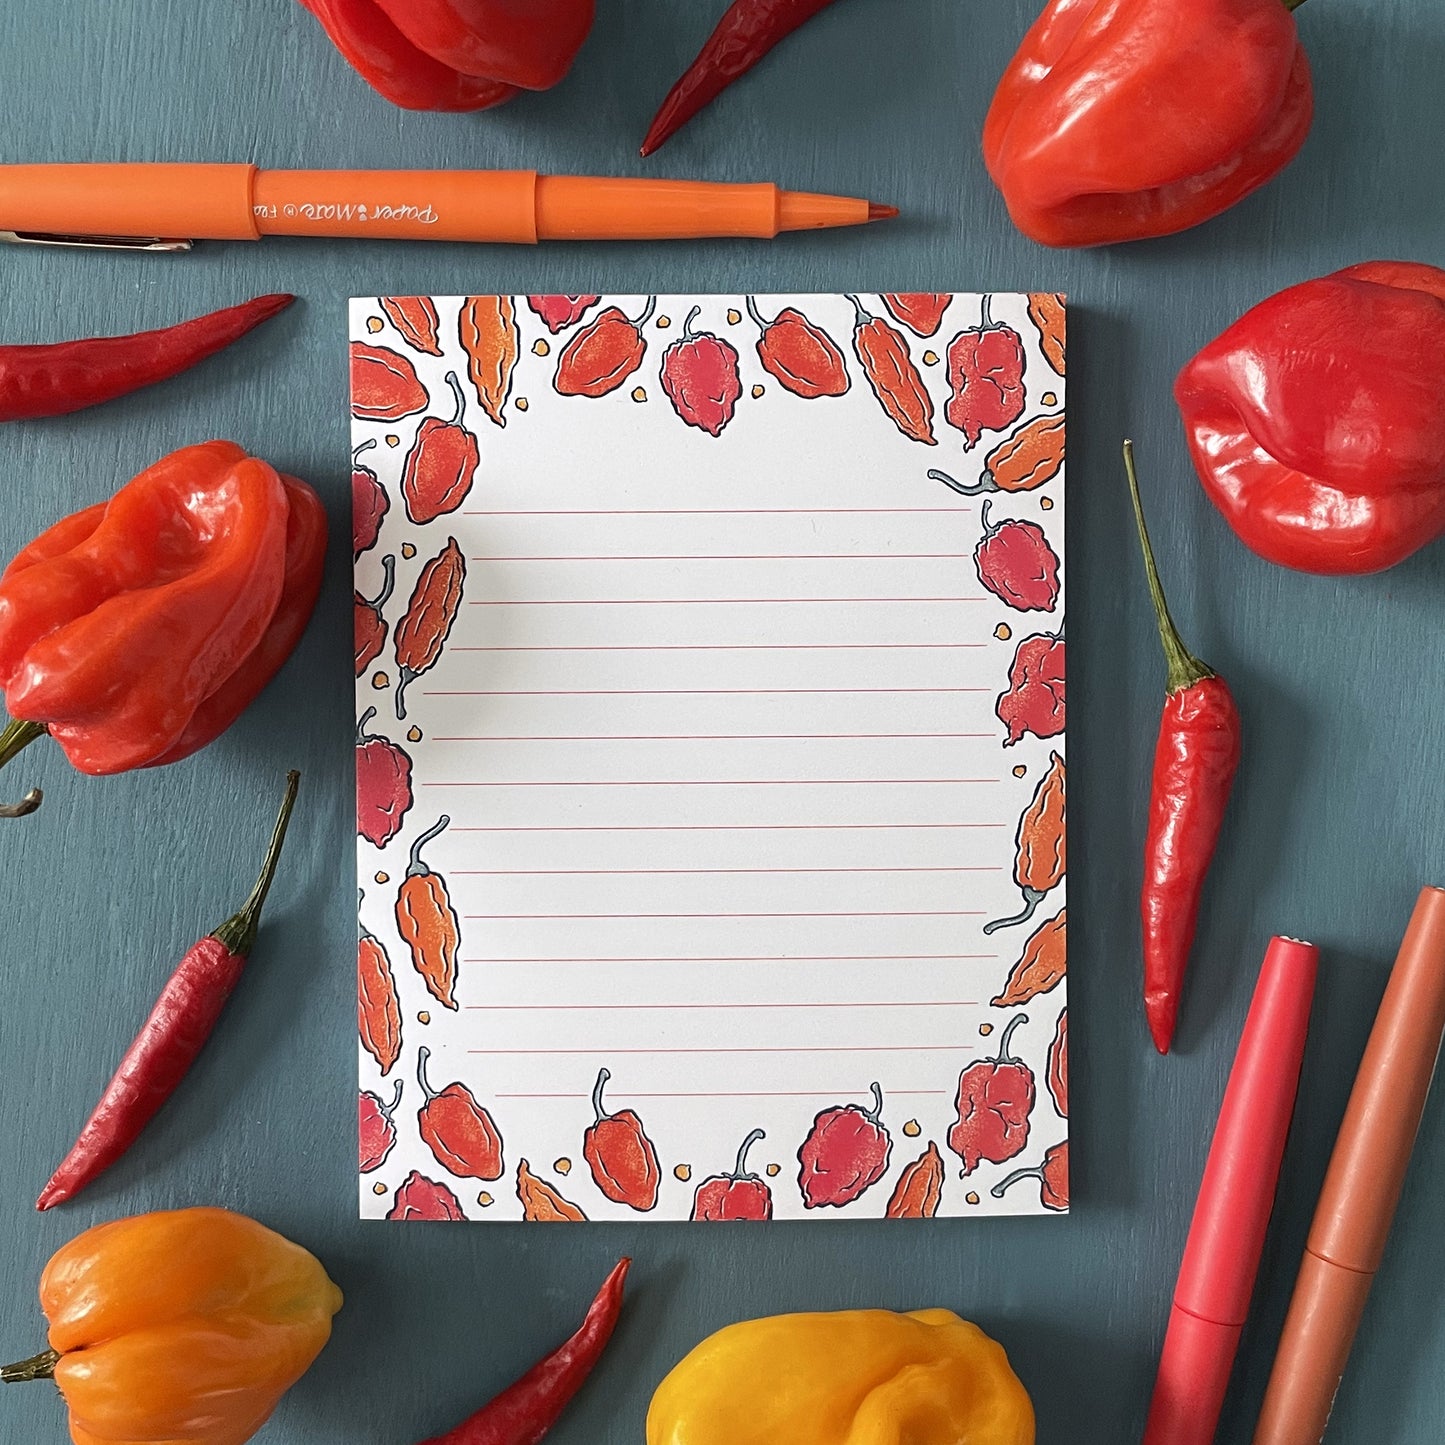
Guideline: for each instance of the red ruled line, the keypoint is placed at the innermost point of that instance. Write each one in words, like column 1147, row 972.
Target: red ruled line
column 719, row 511
column 680, row 737
column 918, row 913
column 745, row 557
column 755, row 958
column 765, row 1049
column 690, row 601
column 743, row 1094
column 626, row 1007
column 711, row 782
column 694, row 691
column 712, row 827
column 708, row 872
column 742, row 647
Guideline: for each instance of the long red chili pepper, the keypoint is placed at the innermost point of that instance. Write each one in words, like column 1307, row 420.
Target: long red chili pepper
column 529, row 1407
column 177, row 1029
column 747, row 32
column 1194, row 765
column 71, row 375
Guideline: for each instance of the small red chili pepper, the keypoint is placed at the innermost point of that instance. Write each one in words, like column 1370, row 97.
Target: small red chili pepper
column 995, row 1099
column 846, row 1152
column 457, row 1129
column 529, row 1407
column 1052, row 1174
column 376, row 1128
column 441, row 464
column 1015, row 562
column 182, row 1020
column 920, row 312
column 985, row 374
column 68, row 376
column 802, row 357
column 383, row 784
column 418, row 1197
column 369, row 503
column 384, row 384
column 560, row 312
column 738, row 1195
column 1195, row 760
column 700, row 377
column 748, row 30
column 1034, row 701
column 368, row 625
column 620, row 1155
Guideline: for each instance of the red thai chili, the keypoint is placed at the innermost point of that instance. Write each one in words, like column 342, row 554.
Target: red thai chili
column 1194, row 765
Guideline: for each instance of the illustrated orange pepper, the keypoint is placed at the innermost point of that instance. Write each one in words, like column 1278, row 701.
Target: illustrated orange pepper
column 415, row 317
column 919, row 1187
column 1040, row 860
column 894, row 379
column 620, row 1155
column 1022, row 462
column 489, row 336
column 1046, row 311
column 1041, row 965
column 540, row 1202
column 422, row 632
column 384, row 384
column 428, row 924
column 378, row 1010
column 921, row 313
column 601, row 356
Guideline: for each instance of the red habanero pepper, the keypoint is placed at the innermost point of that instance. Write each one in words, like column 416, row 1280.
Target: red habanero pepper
column 529, row 1407
column 846, row 1152
column 383, row 784
column 376, row 1128
column 995, row 1099
column 1015, row 562
column 182, row 1020
column 68, row 376
column 368, row 625
column 1118, row 121
column 560, row 312
column 738, row 1195
column 1059, row 1065
column 801, row 357
column 384, row 384
column 1194, row 765
column 441, row 464
column 1052, row 1174
column 620, row 1155
column 920, row 312
column 1035, row 700
column 748, row 30
column 457, row 1129
column 416, row 320
column 369, row 503
column 985, row 374
column 600, row 357
column 1317, row 421
column 418, row 1197
column 700, row 376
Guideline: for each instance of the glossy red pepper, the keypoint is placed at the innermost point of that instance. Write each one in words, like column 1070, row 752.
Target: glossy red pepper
column 1121, row 119
column 1317, row 421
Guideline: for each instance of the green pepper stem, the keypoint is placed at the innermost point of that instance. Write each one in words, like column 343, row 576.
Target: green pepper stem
column 37, row 1367
column 238, row 933
column 1184, row 668
column 1293, row 4
column 16, row 735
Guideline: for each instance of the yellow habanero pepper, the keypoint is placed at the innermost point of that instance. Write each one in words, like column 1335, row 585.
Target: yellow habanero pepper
column 183, row 1327
column 857, row 1377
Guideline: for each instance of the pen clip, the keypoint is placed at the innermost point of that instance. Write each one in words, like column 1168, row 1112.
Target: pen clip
column 94, row 243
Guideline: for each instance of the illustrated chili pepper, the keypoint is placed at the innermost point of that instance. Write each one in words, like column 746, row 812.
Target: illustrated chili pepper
column 368, row 623
column 541, row 1204
column 395, row 68
column 528, row 1408
column 377, row 1128
column 894, row 379
column 601, row 356
column 457, row 1129
column 67, row 376
column 748, row 30
column 995, row 1099
column 799, row 355
column 1040, row 857
column 985, row 375
column 1139, row 120
column 418, row 1197
column 700, row 376
column 428, row 924
column 384, row 384
column 383, row 784
column 619, row 1153
column 489, row 336
column 1046, row 311
column 738, row 1195
column 1014, row 561
column 1195, row 759
column 1317, row 420
column 1052, row 1174
column 378, row 1009
column 441, row 465
column 1041, row 965
column 919, row 1188
column 415, row 317
column 179, row 1024
column 1034, row 702
column 1022, row 462
column 1059, row 1065
column 845, row 1153
column 921, row 313
column 369, row 502
column 560, row 312
column 423, row 631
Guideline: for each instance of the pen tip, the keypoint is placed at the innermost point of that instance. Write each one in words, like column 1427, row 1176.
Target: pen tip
column 879, row 212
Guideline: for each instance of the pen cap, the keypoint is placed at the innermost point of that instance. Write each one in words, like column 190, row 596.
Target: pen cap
column 1372, row 1153
column 1236, row 1196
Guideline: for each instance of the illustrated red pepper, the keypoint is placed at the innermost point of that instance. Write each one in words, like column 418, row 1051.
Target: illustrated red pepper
column 369, row 503
column 425, row 626
column 1117, row 121
column 418, row 1197
column 995, row 1099
column 378, row 1009
column 1059, row 1065
column 427, row 922
column 845, row 1153
column 700, row 377
column 395, row 68
column 1052, row 1174
column 368, row 625
column 67, row 376
column 892, row 377
column 376, row 1130
column 457, row 1129
column 920, row 312
column 1015, row 562
column 919, row 1190
column 800, row 356
column 441, row 464
column 1034, row 702
column 183, row 1018
column 738, row 1195
column 620, row 1155
column 1195, row 760
column 1317, row 421
column 986, row 377
column 383, row 784
column 528, row 1408
column 415, row 317
column 600, row 357
column 384, row 384
column 560, row 312
column 748, row 30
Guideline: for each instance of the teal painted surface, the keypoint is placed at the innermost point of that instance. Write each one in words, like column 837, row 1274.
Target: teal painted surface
column 1340, row 800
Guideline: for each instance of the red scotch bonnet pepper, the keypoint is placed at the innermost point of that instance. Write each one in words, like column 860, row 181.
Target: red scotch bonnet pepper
column 1121, row 119
column 1317, row 421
